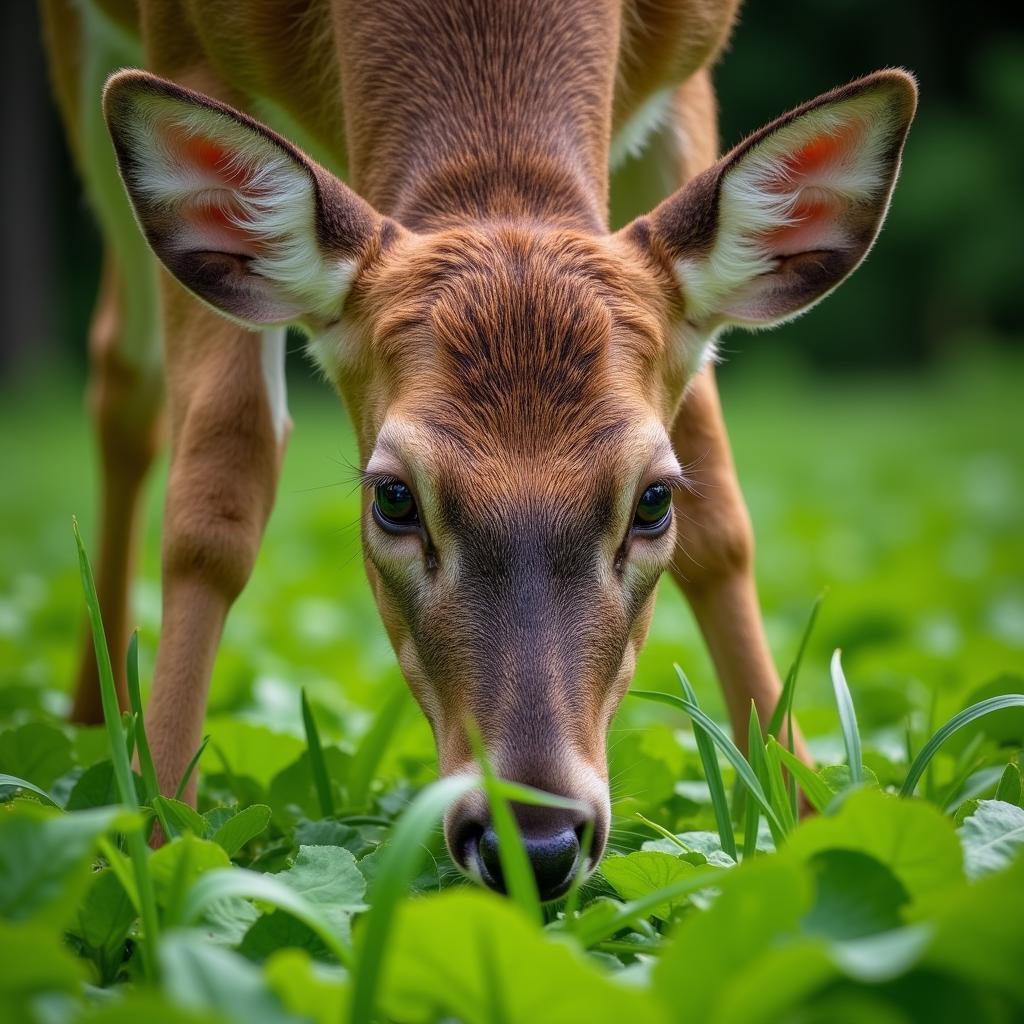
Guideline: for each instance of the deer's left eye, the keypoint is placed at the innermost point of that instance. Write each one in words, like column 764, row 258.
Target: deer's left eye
column 394, row 506
column 654, row 510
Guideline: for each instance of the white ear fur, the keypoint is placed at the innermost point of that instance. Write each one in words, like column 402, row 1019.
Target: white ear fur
column 784, row 218
column 772, row 205
column 230, row 210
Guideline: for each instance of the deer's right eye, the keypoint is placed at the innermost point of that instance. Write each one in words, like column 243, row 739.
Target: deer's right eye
column 394, row 506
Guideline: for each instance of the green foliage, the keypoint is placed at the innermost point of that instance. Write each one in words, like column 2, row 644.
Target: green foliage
column 268, row 909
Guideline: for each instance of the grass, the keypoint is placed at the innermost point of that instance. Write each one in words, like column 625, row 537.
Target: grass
column 311, row 884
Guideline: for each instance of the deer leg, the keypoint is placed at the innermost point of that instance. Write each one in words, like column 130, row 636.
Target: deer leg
column 228, row 432
column 125, row 398
column 714, row 562
column 714, row 557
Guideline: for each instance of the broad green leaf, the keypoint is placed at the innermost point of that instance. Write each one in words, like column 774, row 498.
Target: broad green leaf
column 295, row 785
column 760, row 902
column 911, row 838
column 882, row 957
column 709, row 844
column 252, row 750
column 201, row 976
column 242, row 827
column 34, row 962
column 772, row 986
column 36, row 752
column 273, row 932
column 46, row 858
column 327, row 876
column 1009, row 788
column 104, row 917
column 978, row 933
column 8, row 783
column 326, row 832
column 473, row 956
column 177, row 865
column 310, row 990
column 220, row 885
column 97, row 787
column 149, row 1007
column 992, row 837
column 638, row 874
column 182, row 816
column 855, row 895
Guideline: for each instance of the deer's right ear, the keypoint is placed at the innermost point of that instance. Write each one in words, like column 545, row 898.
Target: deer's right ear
column 238, row 215
column 780, row 221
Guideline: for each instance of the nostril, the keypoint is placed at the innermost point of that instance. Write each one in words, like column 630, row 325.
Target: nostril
column 490, row 861
column 554, row 859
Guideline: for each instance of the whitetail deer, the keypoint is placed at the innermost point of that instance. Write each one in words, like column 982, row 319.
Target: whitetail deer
column 527, row 388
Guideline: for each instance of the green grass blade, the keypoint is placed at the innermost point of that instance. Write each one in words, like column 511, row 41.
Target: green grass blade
column 119, row 757
column 785, row 703
column 816, row 791
column 190, row 768
column 372, row 747
column 572, row 897
column 778, row 793
column 726, row 745
column 664, row 833
column 847, row 720
column 13, row 782
column 146, row 767
column 516, row 871
column 758, row 762
column 397, row 869
column 753, row 812
column 316, row 759
column 226, row 883
column 589, row 933
column 712, row 773
column 956, row 723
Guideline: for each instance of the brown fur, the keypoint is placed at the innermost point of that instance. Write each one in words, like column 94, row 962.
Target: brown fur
column 499, row 351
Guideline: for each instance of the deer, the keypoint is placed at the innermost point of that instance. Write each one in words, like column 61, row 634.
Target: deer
column 422, row 188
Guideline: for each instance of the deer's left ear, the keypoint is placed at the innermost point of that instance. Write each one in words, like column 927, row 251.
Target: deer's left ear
column 781, row 220
column 237, row 214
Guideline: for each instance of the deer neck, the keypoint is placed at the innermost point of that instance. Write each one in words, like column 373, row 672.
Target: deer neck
column 477, row 110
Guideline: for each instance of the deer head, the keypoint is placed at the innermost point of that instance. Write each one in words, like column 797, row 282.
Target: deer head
column 512, row 383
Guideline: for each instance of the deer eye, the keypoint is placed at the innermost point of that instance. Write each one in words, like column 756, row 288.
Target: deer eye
column 654, row 510
column 394, row 507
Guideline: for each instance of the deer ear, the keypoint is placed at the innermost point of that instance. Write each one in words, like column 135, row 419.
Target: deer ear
column 238, row 215
column 781, row 220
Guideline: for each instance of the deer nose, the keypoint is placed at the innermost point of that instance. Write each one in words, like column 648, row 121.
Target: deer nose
column 553, row 858
column 552, row 838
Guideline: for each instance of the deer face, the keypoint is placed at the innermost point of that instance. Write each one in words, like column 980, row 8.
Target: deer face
column 518, row 507
column 512, row 387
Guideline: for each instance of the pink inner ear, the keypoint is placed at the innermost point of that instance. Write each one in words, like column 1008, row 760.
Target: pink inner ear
column 208, row 156
column 828, row 148
column 221, row 224
column 216, row 214
column 815, row 224
column 816, row 217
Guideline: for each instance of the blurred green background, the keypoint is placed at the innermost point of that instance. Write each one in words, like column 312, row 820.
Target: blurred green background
column 879, row 438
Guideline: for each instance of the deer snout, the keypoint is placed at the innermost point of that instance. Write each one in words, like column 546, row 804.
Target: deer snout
column 552, row 838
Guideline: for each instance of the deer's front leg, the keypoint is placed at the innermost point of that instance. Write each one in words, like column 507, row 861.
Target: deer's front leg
column 714, row 561
column 228, row 431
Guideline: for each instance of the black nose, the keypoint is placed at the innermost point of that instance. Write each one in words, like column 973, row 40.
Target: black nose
column 552, row 855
